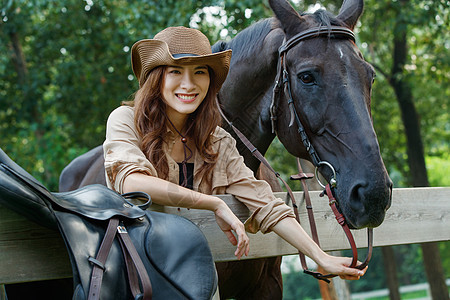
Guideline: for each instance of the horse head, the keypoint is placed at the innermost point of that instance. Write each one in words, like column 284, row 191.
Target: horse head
column 330, row 84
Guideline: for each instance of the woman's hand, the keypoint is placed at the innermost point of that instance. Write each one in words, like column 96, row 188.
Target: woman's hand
column 228, row 222
column 340, row 266
column 291, row 231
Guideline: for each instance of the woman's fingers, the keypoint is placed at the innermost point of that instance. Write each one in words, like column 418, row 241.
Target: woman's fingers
column 353, row 274
column 243, row 246
column 340, row 266
column 228, row 222
column 231, row 237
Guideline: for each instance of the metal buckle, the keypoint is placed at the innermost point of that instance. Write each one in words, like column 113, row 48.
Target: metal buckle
column 121, row 229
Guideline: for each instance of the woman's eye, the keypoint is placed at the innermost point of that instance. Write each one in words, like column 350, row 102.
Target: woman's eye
column 202, row 71
column 306, row 78
column 174, row 71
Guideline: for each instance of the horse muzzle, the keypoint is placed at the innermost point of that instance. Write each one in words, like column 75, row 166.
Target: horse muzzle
column 364, row 204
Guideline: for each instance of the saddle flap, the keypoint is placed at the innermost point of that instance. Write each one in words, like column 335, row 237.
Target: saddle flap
column 16, row 195
column 97, row 202
column 6, row 160
column 177, row 248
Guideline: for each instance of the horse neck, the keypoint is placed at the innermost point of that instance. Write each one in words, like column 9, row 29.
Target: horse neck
column 253, row 120
column 246, row 94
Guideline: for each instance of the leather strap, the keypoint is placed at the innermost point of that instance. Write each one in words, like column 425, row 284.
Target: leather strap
column 332, row 31
column 341, row 220
column 99, row 261
column 138, row 196
column 134, row 264
column 303, row 177
column 312, row 223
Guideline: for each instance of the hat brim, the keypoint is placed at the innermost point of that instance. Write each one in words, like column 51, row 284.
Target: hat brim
column 149, row 53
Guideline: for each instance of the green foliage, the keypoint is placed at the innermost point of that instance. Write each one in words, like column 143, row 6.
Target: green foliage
column 67, row 67
column 427, row 71
column 438, row 170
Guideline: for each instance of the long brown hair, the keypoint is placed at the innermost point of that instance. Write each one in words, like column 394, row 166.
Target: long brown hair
column 151, row 123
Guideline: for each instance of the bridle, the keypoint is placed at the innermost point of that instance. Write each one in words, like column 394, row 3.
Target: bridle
column 282, row 79
column 282, row 87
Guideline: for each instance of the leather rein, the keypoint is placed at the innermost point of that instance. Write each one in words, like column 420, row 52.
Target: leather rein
column 282, row 86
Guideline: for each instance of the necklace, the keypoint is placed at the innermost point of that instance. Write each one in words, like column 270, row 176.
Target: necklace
column 186, row 148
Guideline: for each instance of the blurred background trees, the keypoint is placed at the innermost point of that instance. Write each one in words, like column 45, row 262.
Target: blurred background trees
column 64, row 66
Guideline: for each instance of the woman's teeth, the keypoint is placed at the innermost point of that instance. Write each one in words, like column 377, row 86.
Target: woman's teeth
column 186, row 97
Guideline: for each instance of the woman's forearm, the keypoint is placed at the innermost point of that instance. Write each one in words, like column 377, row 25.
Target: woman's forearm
column 291, row 231
column 166, row 193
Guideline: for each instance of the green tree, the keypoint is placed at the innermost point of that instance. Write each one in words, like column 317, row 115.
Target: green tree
column 66, row 67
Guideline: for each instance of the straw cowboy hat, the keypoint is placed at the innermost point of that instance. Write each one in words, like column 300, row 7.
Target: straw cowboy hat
column 178, row 45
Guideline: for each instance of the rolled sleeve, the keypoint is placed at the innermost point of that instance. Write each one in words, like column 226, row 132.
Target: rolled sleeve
column 266, row 210
column 122, row 151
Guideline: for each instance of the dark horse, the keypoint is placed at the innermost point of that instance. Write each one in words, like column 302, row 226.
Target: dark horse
column 331, row 89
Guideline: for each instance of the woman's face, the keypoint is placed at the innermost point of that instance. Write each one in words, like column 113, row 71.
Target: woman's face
column 184, row 88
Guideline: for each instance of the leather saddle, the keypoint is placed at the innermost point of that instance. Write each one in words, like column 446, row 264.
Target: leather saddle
column 117, row 248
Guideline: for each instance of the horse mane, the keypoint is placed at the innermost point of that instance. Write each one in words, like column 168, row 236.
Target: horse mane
column 248, row 40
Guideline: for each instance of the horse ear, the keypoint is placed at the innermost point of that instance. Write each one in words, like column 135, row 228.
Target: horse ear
column 350, row 12
column 286, row 14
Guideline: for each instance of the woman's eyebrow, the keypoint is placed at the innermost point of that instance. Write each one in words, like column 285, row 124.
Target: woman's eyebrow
column 196, row 68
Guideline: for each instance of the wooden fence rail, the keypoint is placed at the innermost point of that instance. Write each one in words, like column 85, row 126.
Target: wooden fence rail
column 29, row 252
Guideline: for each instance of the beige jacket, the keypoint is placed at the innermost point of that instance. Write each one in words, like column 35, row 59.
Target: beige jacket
column 123, row 156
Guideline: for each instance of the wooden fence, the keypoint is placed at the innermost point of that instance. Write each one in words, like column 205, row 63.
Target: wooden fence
column 29, row 252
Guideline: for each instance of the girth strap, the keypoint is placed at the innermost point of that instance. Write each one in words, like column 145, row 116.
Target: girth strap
column 133, row 262
column 100, row 260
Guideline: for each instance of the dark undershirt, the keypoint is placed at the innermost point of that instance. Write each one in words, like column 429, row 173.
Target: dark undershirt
column 190, row 175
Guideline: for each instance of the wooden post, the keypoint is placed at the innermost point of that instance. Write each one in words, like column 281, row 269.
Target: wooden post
column 432, row 259
column 390, row 268
column 327, row 290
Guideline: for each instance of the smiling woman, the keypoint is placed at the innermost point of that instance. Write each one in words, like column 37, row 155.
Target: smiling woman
column 184, row 89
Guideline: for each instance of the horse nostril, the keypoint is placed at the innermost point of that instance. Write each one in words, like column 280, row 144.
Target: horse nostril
column 357, row 199
column 368, row 203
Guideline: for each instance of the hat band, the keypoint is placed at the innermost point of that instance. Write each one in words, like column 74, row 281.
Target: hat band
column 178, row 55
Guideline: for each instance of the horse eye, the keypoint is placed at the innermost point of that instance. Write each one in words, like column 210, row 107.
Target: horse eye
column 306, row 78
